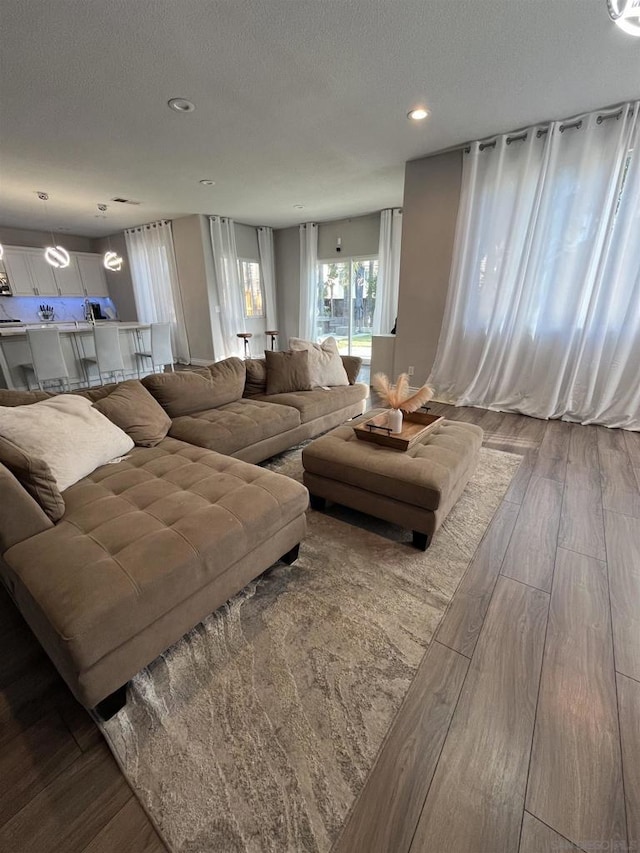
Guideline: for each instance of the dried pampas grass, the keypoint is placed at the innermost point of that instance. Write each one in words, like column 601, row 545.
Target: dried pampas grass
column 397, row 396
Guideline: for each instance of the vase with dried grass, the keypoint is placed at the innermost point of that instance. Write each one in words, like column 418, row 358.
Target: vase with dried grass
column 399, row 398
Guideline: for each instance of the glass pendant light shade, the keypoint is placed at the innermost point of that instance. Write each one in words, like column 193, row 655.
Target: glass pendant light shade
column 112, row 261
column 57, row 256
column 626, row 15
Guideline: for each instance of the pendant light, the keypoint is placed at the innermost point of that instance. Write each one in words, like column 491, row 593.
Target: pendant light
column 626, row 15
column 57, row 256
column 111, row 260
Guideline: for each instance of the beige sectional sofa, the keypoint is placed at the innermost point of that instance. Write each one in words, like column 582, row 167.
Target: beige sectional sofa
column 124, row 562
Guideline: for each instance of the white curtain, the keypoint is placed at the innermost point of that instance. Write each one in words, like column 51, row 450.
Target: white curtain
column 386, row 306
column 156, row 286
column 543, row 309
column 308, row 280
column 229, row 289
column 268, row 269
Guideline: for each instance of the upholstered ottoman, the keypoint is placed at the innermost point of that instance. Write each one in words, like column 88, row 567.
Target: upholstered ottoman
column 415, row 488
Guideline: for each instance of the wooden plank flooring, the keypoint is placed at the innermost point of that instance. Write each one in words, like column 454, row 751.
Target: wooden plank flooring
column 508, row 707
column 578, row 673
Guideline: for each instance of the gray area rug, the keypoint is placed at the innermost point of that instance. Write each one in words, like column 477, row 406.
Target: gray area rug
column 257, row 730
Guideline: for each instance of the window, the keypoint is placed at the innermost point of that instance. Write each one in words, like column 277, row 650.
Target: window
column 252, row 289
column 345, row 302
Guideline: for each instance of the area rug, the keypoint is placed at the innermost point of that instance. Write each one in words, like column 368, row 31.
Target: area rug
column 256, row 731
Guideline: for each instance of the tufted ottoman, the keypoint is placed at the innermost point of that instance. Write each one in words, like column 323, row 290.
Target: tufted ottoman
column 414, row 489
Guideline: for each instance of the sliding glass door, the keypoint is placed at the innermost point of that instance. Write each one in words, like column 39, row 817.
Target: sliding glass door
column 345, row 301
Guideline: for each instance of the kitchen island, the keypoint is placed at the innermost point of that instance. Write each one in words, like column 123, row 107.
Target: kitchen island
column 77, row 343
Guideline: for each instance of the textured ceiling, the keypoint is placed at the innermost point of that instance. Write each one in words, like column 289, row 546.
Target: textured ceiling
column 298, row 101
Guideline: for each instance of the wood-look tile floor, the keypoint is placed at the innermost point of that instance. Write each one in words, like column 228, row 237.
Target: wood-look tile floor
column 520, row 732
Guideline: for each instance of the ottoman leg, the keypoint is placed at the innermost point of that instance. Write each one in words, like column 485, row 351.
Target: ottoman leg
column 420, row 540
column 317, row 502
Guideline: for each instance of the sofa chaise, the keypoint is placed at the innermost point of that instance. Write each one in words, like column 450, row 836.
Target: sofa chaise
column 115, row 569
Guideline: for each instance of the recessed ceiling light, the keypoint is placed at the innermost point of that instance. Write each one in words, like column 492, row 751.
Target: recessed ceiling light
column 207, row 182
column 181, row 105
column 418, row 113
column 298, row 206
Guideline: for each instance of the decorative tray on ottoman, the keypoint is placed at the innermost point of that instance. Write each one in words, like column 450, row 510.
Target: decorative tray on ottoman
column 415, row 425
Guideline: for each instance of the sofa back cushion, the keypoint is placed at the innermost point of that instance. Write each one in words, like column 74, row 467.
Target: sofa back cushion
column 256, row 377
column 287, row 371
column 35, row 477
column 21, row 517
column 187, row 391
column 131, row 407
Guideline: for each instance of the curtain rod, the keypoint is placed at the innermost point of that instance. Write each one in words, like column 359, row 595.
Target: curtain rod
column 520, row 134
column 542, row 131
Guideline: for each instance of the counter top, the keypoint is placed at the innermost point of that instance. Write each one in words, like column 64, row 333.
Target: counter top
column 66, row 327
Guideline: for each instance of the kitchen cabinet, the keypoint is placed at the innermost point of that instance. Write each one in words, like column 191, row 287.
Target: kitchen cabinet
column 68, row 279
column 29, row 274
column 93, row 275
column 44, row 281
column 16, row 264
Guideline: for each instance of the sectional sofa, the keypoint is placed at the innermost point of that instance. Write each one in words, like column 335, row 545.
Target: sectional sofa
column 115, row 569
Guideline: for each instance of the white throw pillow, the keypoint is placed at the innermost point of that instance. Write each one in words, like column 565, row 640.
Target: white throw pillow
column 325, row 365
column 67, row 433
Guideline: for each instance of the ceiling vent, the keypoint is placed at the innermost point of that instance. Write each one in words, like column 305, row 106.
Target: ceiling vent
column 125, row 201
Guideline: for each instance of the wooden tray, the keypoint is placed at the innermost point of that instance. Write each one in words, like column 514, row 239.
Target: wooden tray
column 415, row 425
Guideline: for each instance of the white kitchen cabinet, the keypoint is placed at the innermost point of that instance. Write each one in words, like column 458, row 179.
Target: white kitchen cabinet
column 16, row 264
column 29, row 274
column 44, row 281
column 93, row 275
column 69, row 280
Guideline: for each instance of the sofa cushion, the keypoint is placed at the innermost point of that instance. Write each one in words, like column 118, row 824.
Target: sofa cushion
column 321, row 401
column 131, row 407
column 35, row 477
column 235, row 426
column 287, row 371
column 141, row 536
column 187, row 391
column 325, row 365
column 21, row 516
column 11, row 397
column 67, row 433
column 256, row 382
column 352, row 365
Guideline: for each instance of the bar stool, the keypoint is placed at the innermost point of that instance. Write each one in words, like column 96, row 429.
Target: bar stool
column 245, row 337
column 47, row 359
column 108, row 357
column 273, row 335
column 161, row 352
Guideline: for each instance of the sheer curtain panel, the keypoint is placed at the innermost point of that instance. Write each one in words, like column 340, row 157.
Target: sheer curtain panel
column 308, row 280
column 268, row 270
column 386, row 305
column 156, row 287
column 229, row 289
column 543, row 309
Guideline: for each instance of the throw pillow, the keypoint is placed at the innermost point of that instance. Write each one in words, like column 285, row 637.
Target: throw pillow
column 287, row 371
column 256, row 382
column 325, row 365
column 131, row 407
column 352, row 365
column 195, row 390
column 66, row 433
column 35, row 477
